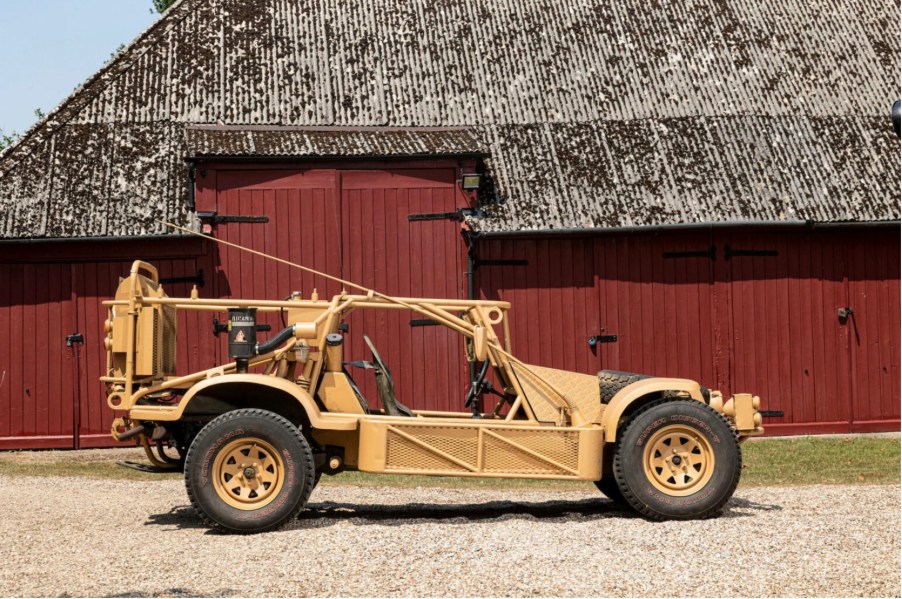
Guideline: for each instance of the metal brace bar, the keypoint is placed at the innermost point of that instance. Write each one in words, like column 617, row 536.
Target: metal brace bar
column 423, row 322
column 457, row 215
column 197, row 279
column 709, row 253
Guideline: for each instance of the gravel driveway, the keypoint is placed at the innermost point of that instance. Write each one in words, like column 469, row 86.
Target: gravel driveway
column 76, row 536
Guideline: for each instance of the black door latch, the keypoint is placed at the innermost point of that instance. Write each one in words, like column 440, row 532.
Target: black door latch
column 73, row 339
column 596, row 339
column 844, row 313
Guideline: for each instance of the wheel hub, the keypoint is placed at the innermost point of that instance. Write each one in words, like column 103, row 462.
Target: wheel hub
column 678, row 460
column 248, row 473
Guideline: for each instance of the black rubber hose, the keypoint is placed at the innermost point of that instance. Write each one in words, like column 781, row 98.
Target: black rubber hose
column 280, row 338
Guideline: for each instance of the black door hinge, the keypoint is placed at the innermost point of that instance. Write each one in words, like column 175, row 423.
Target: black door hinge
column 423, row 322
column 213, row 218
column 457, row 215
column 729, row 252
column 197, row 279
column 711, row 253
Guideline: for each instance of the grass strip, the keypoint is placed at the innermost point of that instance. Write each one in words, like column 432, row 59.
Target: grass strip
column 766, row 462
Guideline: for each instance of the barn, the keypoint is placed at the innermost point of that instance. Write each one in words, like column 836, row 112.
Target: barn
column 709, row 190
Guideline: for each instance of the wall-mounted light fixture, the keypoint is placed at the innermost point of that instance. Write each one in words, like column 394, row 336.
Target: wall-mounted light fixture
column 470, row 181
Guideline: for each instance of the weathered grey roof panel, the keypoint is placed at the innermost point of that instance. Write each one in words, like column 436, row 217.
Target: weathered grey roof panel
column 591, row 113
column 329, row 141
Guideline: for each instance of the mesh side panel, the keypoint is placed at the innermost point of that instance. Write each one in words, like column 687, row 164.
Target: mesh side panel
column 459, row 442
column 501, row 457
column 404, row 455
column 562, row 447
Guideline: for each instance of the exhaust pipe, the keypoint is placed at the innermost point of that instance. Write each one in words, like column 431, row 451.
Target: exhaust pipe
column 131, row 433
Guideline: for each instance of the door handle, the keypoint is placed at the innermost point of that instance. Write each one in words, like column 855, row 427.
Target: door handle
column 74, row 338
column 844, row 313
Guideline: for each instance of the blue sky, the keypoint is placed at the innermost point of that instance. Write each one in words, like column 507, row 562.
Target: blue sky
column 48, row 47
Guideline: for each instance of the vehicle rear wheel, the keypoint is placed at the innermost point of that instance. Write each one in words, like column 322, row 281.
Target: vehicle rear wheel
column 249, row 471
column 677, row 459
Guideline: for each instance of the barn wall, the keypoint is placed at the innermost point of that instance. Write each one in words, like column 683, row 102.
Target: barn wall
column 764, row 320
column 50, row 395
column 758, row 317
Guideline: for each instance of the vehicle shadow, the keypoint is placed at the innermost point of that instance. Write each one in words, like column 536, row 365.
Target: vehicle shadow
column 328, row 513
column 740, row 508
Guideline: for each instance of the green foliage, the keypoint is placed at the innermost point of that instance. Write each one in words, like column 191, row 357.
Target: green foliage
column 116, row 53
column 161, row 5
column 7, row 140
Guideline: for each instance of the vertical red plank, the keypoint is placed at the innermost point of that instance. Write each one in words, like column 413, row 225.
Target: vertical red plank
column 615, row 310
column 6, row 315
column 894, row 310
column 29, row 349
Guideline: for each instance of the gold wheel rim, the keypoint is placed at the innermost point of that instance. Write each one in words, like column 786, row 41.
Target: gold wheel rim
column 678, row 460
column 248, row 473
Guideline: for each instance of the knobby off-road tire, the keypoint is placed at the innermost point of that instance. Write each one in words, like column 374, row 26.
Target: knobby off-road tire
column 249, row 471
column 610, row 382
column 610, row 489
column 677, row 459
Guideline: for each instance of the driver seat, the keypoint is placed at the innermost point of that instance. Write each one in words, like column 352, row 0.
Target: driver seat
column 385, row 385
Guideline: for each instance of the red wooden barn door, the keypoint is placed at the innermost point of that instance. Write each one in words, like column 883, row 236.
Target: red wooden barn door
column 302, row 225
column 383, row 250
column 94, row 282
column 37, row 369
column 552, row 291
column 352, row 224
column 788, row 346
column 872, row 264
column 655, row 298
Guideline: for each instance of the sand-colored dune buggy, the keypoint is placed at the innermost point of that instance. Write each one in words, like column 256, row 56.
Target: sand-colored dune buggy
column 255, row 435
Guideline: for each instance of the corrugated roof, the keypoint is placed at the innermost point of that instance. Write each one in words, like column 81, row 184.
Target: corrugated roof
column 592, row 114
column 269, row 141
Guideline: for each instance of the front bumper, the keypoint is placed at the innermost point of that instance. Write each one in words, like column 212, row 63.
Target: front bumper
column 742, row 412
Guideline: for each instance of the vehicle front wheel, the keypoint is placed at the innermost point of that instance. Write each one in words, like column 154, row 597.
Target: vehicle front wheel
column 249, row 471
column 677, row 459
column 608, row 487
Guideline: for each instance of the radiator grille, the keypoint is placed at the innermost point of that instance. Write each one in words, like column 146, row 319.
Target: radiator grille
column 168, row 340
column 155, row 351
